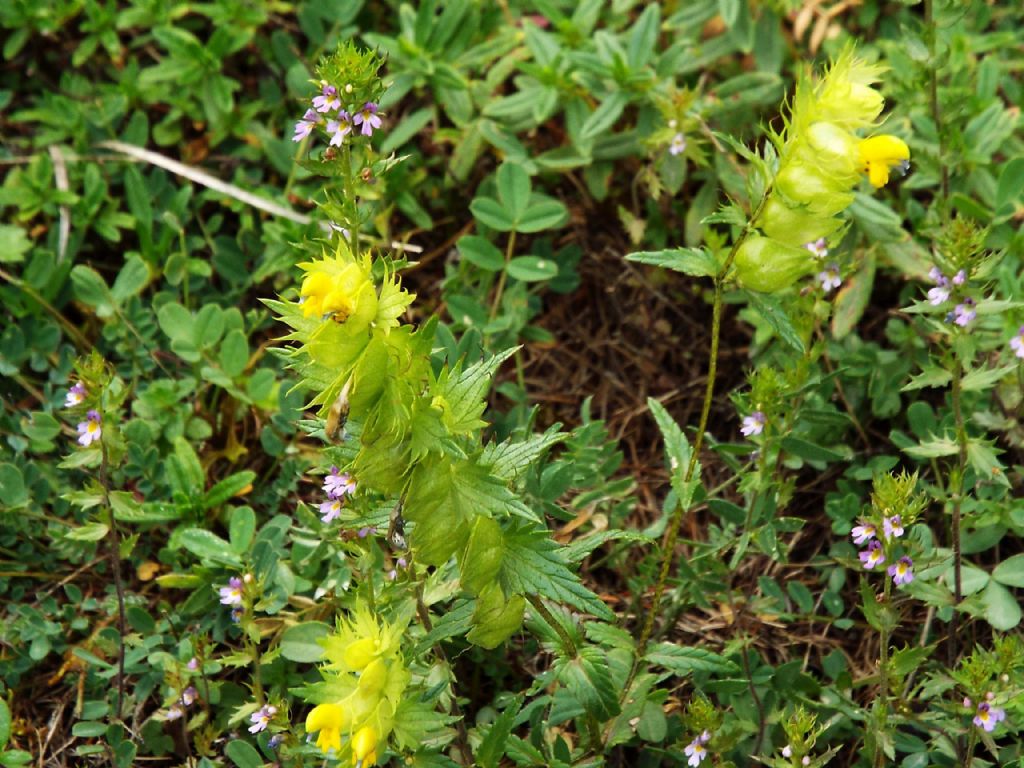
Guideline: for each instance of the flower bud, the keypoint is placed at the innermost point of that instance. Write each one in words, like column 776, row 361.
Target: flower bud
column 360, row 653
column 766, row 265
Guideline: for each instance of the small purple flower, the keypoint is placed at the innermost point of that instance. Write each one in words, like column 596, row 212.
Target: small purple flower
column 261, row 718
column 305, row 126
column 818, row 247
column 232, row 593
column 188, row 696
column 705, row 737
column 89, row 430
column 193, row 664
column 829, row 278
column 1017, row 343
column 873, row 555
column 330, row 510
column 678, row 145
column 988, row 717
column 337, row 486
column 327, row 100
column 236, row 613
column 696, row 752
column 787, row 751
column 938, row 295
column 368, row 530
column 339, row 128
column 75, row 395
column 864, row 532
column 275, row 741
column 805, row 760
column 392, row 575
column 753, row 424
column 964, row 313
column 960, row 278
column 892, row 527
column 902, row 571
column 174, row 712
column 936, row 276
column 368, row 118
column 968, row 704
column 402, row 563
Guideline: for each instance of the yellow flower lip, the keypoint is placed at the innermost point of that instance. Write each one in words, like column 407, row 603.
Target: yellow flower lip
column 879, row 154
column 329, row 720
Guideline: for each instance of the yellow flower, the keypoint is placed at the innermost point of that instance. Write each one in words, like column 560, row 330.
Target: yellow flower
column 330, row 720
column 364, row 746
column 339, row 286
column 880, row 153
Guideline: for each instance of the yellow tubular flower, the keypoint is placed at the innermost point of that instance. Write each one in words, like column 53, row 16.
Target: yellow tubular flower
column 364, row 746
column 880, row 153
column 330, row 720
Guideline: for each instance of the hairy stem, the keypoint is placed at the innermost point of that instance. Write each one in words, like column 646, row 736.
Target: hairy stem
column 957, row 494
column 115, row 564
column 933, row 94
column 883, row 677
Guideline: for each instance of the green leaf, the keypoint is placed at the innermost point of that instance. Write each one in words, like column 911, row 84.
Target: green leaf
column 535, row 564
column 773, row 313
column 495, row 618
column 492, row 746
column 481, row 252
column 208, row 547
column 589, row 680
column 1010, row 572
column 604, row 116
column 677, row 450
column 241, row 529
column 933, row 448
column 513, row 189
column 532, row 268
column 232, row 485
column 175, row 321
column 543, row 213
column 460, row 394
column 1011, row 186
column 1002, row 610
column 5, row 723
column 508, row 459
column 490, row 212
column 682, row 660
column 133, row 277
column 184, row 472
column 91, row 289
column 301, row 642
column 88, row 532
column 481, row 560
column 985, row 378
column 579, row 549
column 696, row 262
column 852, row 299
column 234, row 353
column 14, row 244
column 15, row 494
column 243, row 754
column 810, row 451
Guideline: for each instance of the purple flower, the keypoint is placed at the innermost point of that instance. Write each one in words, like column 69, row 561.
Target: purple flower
column 261, row 718
column 392, row 575
column 327, row 100
column 967, row 702
column 330, row 510
column 696, row 752
column 938, row 295
column 818, row 247
column 368, row 118
column 188, row 696
column 873, row 555
column 806, row 760
column 75, row 395
column 305, row 126
column 987, row 716
column 787, row 751
column 232, row 593
column 89, row 430
column 678, row 145
column 1017, row 343
column 753, row 424
column 892, row 527
column 902, row 571
column 174, row 712
column 936, row 276
column 960, row 278
column 339, row 128
column 275, row 741
column 236, row 613
column 829, row 278
column 193, row 664
column 964, row 313
column 864, row 532
column 369, row 530
column 337, row 486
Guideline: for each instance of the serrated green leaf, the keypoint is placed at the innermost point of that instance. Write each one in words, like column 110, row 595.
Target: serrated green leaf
column 88, row 532
column 589, row 679
column 682, row 660
column 460, row 394
column 696, row 262
column 773, row 313
column 496, row 617
column 985, row 378
column 492, row 745
column 933, row 448
column 506, row 460
column 481, row 560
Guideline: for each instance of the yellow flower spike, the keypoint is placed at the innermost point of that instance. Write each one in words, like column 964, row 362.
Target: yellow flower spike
column 360, row 653
column 372, row 680
column 330, row 720
column 364, row 746
column 880, row 153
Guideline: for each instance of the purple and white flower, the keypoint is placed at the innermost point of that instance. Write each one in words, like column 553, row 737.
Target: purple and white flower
column 988, row 717
column 753, row 424
column 829, row 278
column 696, row 752
column 873, row 555
column 818, row 247
column 327, row 100
column 368, row 118
column 892, row 527
column 1017, row 343
column 232, row 593
column 305, row 126
column 193, row 664
column 174, row 712
column 864, row 532
column 75, row 395
column 960, row 278
column 787, row 751
column 964, row 313
column 330, row 510
column 940, row 293
column 338, row 485
column 340, row 128
column 261, row 718
column 678, row 145
column 902, row 571
column 368, row 530
column 89, row 431
column 189, row 695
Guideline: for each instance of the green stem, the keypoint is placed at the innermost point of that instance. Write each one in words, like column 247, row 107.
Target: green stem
column 957, row 493
column 115, row 564
column 933, row 94
column 509, row 250
column 883, row 676
column 350, row 199
column 568, row 644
